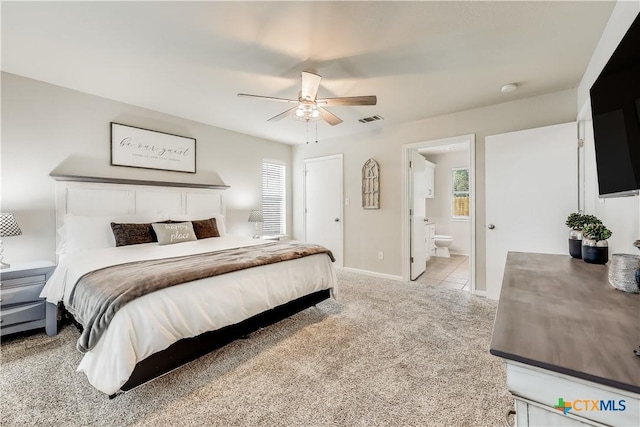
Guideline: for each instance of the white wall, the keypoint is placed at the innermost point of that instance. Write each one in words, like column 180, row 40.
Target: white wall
column 439, row 208
column 620, row 215
column 369, row 231
column 619, row 22
column 43, row 124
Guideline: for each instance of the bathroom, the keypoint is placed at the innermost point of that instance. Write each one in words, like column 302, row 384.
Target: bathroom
column 448, row 229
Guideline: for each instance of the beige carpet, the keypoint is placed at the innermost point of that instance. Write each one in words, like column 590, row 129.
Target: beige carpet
column 388, row 354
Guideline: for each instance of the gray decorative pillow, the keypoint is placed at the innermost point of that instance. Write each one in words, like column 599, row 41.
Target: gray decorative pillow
column 174, row 233
column 132, row 234
column 153, row 233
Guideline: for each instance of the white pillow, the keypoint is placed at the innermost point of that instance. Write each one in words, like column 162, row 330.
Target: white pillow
column 84, row 232
column 222, row 230
column 80, row 232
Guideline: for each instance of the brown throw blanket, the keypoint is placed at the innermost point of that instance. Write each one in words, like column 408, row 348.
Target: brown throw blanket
column 99, row 295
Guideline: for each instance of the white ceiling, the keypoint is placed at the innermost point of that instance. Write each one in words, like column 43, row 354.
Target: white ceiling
column 421, row 59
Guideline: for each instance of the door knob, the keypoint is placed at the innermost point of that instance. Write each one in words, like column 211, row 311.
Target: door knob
column 491, row 226
column 337, row 220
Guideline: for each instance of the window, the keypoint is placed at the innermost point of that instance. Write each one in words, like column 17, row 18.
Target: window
column 460, row 193
column 274, row 206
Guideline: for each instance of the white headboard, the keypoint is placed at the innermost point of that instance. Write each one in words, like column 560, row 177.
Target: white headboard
column 102, row 199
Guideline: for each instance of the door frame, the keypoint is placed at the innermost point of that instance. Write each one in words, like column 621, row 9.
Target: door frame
column 339, row 260
column 412, row 218
column 406, row 176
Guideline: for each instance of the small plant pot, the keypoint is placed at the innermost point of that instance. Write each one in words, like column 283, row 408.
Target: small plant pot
column 595, row 252
column 575, row 243
column 575, row 248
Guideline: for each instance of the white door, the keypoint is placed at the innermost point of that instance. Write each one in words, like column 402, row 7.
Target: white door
column 531, row 183
column 323, row 203
column 418, row 171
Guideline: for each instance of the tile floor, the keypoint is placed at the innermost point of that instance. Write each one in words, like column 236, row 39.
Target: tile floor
column 447, row 272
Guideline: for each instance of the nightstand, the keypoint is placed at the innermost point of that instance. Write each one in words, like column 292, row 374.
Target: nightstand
column 21, row 307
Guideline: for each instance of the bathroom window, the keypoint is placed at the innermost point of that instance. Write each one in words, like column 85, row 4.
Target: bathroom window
column 460, row 193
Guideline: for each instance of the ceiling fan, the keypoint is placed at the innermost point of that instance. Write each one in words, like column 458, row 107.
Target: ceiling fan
column 308, row 107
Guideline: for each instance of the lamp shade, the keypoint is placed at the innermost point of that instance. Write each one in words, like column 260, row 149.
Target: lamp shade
column 8, row 225
column 255, row 216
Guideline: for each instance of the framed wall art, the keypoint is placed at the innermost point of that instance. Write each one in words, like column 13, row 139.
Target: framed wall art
column 149, row 149
column 371, row 185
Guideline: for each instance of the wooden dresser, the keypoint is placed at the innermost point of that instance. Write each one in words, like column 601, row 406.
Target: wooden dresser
column 567, row 338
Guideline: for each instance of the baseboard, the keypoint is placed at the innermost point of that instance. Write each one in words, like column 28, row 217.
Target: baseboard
column 480, row 293
column 372, row 274
column 458, row 253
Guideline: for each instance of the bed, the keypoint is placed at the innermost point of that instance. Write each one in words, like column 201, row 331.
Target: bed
column 165, row 328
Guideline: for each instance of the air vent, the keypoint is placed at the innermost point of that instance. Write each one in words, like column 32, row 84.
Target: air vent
column 371, row 119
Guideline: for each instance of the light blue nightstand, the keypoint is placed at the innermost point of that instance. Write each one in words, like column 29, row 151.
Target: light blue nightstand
column 21, row 307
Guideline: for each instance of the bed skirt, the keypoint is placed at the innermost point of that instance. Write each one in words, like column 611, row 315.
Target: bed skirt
column 189, row 349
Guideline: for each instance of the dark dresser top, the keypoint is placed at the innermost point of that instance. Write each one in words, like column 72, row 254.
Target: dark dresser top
column 561, row 314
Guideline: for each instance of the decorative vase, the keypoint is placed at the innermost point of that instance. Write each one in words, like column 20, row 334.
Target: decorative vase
column 575, row 243
column 623, row 272
column 637, row 245
column 595, row 252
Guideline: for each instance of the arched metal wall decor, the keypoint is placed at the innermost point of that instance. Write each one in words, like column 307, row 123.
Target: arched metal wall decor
column 371, row 185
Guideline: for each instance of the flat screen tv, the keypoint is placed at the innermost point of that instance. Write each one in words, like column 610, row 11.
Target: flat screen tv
column 615, row 106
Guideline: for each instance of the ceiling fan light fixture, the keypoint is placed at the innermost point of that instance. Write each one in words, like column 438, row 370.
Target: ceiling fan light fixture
column 307, row 111
column 309, row 108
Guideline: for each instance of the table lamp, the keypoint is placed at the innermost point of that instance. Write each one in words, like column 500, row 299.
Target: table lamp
column 8, row 227
column 256, row 216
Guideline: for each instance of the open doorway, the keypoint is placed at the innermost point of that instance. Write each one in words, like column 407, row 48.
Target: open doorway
column 449, row 212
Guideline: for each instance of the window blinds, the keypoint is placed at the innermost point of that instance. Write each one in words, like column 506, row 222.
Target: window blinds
column 273, row 198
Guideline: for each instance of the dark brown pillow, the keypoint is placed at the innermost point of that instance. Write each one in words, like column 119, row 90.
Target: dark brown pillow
column 132, row 234
column 206, row 228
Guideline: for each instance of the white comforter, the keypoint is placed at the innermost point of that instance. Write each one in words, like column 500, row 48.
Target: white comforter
column 157, row 320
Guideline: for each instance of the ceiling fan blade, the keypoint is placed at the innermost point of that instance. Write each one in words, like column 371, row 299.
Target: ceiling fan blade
column 329, row 117
column 281, row 116
column 310, row 85
column 348, row 100
column 246, row 95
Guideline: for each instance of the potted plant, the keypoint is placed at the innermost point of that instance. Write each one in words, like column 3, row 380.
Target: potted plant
column 576, row 222
column 595, row 248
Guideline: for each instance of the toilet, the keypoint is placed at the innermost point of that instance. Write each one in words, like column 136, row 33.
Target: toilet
column 442, row 243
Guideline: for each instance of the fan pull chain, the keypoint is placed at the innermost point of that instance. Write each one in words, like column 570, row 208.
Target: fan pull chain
column 307, row 132
column 316, row 131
